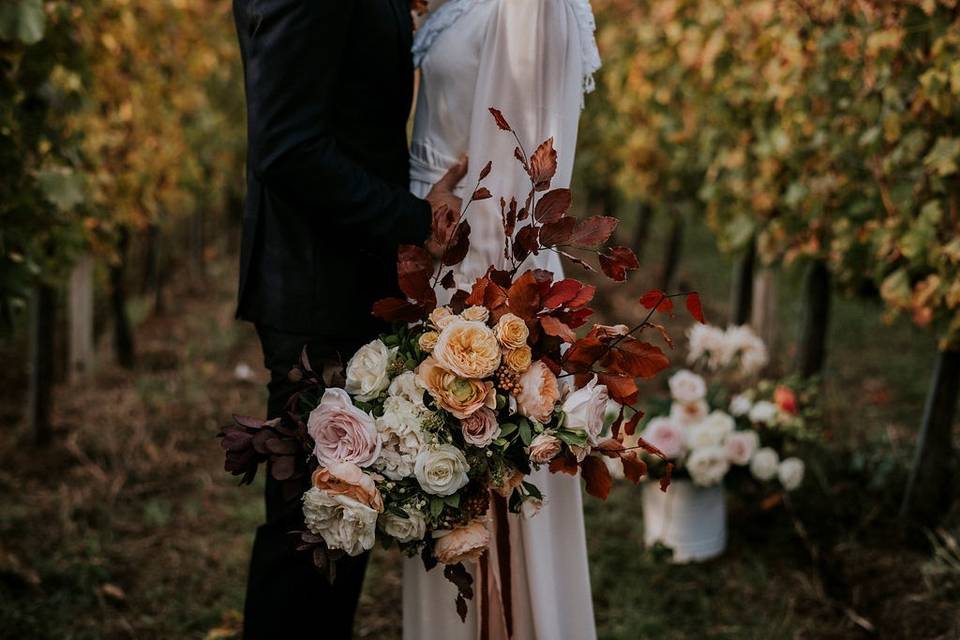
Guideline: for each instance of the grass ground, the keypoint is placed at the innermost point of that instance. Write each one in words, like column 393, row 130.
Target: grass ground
column 128, row 528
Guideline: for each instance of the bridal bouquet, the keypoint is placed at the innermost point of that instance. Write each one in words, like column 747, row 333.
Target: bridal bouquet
column 429, row 438
column 737, row 425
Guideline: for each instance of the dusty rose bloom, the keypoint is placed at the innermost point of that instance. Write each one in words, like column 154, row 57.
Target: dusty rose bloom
column 480, row 428
column 342, row 432
column 544, row 448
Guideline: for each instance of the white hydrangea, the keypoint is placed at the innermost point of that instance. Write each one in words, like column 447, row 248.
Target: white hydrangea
column 407, row 386
column 708, row 466
column 402, row 437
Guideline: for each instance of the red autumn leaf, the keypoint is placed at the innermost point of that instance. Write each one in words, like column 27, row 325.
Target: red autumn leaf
column 551, row 364
column 486, row 170
column 630, row 426
column 518, row 154
column 553, row 205
column 564, row 463
column 482, row 194
column 623, row 389
column 695, row 308
column 500, row 120
column 638, row 359
column 634, row 469
column 511, row 218
column 583, row 354
column 667, row 477
column 584, row 296
column 397, row 310
column 414, row 269
column 562, row 292
column 459, row 301
column 558, row 232
column 575, row 319
column 593, row 232
column 577, row 261
column 447, row 282
column 616, row 264
column 522, row 214
column 553, row 327
column 543, row 165
column 526, row 242
column 658, row 299
column 597, row 477
column 611, row 448
column 457, row 251
column 523, row 297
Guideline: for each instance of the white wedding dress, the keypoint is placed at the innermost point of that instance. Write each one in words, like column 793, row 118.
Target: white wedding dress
column 533, row 60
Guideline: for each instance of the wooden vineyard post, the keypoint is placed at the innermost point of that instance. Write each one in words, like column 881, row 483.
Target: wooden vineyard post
column 39, row 398
column 932, row 477
column 741, row 298
column 764, row 319
column 816, row 319
column 671, row 259
column 122, row 332
column 80, row 319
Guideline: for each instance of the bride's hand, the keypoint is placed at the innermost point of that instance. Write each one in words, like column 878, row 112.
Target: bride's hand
column 446, row 207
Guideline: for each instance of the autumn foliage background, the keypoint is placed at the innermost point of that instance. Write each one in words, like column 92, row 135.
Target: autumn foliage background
column 797, row 162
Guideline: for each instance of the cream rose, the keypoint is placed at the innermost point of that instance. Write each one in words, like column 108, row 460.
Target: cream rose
column 476, row 313
column 690, row 413
column 544, row 448
column 585, row 409
column 407, row 386
column 712, row 431
column 368, row 370
column 765, row 464
column 409, row 529
column 345, row 478
column 441, row 317
column 463, row 544
column 468, row 349
column 740, row 405
column 460, row 396
column 480, row 428
column 343, row 522
column 519, row 360
column 763, row 412
column 512, row 331
column 342, row 432
column 707, row 466
column 428, row 341
column 441, row 470
column 539, row 393
column 740, row 446
column 666, row 435
column 687, row 387
column 791, row 472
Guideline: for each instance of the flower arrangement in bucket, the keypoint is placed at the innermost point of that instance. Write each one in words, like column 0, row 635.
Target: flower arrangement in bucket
column 430, row 441
column 735, row 432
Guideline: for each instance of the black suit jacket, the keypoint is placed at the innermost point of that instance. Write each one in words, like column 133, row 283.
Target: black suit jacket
column 329, row 85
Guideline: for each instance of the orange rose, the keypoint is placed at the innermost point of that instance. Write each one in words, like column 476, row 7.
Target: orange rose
column 463, row 544
column 477, row 313
column 512, row 331
column 428, row 341
column 460, row 396
column 346, row 478
column 468, row 349
column 539, row 394
column 518, row 360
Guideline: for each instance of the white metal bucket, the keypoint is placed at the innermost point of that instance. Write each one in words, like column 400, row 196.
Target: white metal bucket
column 689, row 519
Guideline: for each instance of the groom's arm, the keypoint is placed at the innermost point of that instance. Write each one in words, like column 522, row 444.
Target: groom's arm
column 294, row 53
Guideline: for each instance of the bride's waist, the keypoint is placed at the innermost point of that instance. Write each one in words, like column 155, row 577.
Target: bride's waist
column 427, row 163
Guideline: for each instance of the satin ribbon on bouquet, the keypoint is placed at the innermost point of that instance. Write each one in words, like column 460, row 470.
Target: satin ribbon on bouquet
column 495, row 621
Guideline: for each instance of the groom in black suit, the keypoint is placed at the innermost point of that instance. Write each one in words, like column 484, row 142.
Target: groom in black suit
column 329, row 85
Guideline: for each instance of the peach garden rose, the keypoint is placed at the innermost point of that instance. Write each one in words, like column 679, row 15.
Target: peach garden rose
column 512, row 331
column 460, row 396
column 539, row 394
column 468, row 348
column 463, row 544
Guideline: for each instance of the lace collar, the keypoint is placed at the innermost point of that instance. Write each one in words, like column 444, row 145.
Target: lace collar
column 448, row 13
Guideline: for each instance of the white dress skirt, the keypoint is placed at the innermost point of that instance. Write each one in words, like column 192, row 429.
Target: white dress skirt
column 533, row 60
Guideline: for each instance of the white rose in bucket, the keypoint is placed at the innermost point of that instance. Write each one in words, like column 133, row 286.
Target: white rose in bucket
column 790, row 473
column 708, row 466
column 409, row 529
column 586, row 408
column 690, row 413
column 712, row 431
column 368, row 370
column 741, row 445
column 740, row 405
column 441, row 470
column 343, row 522
column 765, row 464
column 666, row 435
column 687, row 387
column 763, row 413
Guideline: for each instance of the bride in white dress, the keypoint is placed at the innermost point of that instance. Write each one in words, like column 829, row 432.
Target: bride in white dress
column 533, row 60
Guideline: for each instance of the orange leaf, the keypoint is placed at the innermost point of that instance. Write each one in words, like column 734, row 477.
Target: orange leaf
column 658, row 299
column 564, row 463
column 500, row 120
column 553, row 327
column 597, row 477
column 634, row 468
column 543, row 165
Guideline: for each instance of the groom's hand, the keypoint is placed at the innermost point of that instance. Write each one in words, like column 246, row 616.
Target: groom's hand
column 446, row 207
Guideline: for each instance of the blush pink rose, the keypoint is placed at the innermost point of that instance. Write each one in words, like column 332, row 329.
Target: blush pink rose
column 463, row 544
column 666, row 435
column 342, row 432
column 480, row 428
